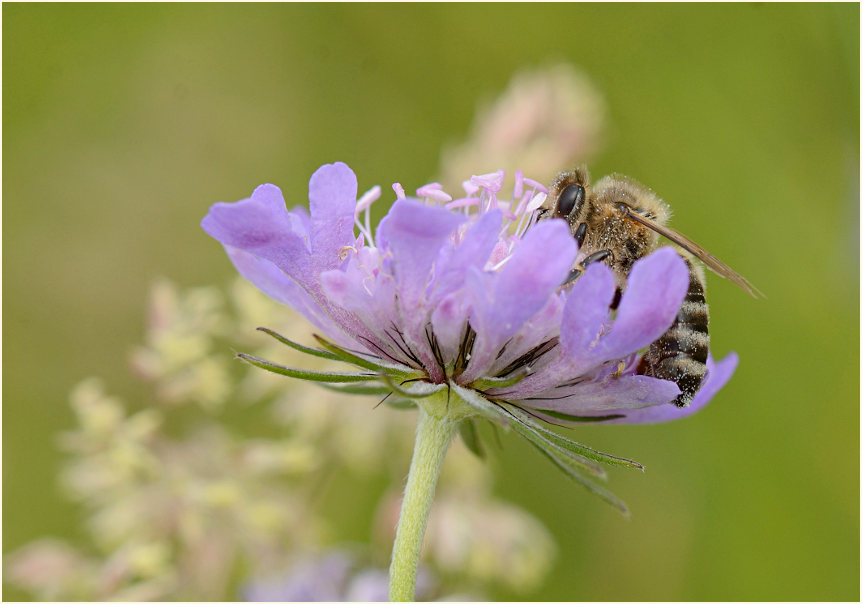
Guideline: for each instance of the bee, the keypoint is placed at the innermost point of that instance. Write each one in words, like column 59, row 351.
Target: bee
column 617, row 221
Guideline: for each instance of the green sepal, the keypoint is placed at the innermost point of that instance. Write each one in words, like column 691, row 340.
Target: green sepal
column 362, row 389
column 598, row 490
column 549, row 447
column 302, row 374
column 354, row 359
column 478, row 403
column 497, row 412
column 400, row 404
column 324, row 354
column 390, row 383
column 496, row 382
column 570, row 445
column 470, row 436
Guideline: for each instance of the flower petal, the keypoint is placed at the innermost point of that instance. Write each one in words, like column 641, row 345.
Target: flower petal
column 415, row 234
column 473, row 250
column 717, row 375
column 625, row 392
column 585, row 315
column 274, row 283
column 655, row 289
column 332, row 202
column 504, row 301
column 586, row 312
column 449, row 322
column 261, row 226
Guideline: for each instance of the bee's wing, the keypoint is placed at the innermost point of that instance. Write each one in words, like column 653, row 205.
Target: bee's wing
column 716, row 265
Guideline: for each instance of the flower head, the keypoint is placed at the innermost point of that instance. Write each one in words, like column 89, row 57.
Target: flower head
column 333, row 576
column 463, row 294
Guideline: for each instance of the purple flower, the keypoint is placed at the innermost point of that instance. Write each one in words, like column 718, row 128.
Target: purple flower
column 465, row 293
column 334, row 576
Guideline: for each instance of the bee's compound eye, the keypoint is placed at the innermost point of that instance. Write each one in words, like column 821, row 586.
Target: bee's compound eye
column 571, row 200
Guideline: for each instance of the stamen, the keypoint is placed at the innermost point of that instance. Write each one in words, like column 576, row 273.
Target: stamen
column 463, row 202
column 519, row 184
column 369, row 197
column 522, row 204
column 536, row 202
column 368, row 235
column 364, row 229
column 469, row 187
column 399, row 190
column 533, row 202
column 536, row 185
column 491, row 182
column 434, row 191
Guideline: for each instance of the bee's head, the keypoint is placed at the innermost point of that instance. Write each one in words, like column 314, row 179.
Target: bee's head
column 568, row 194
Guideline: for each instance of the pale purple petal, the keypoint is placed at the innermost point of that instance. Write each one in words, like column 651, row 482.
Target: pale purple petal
column 534, row 271
column 261, row 226
column 472, row 251
column 584, row 319
column 586, row 312
column 717, row 375
column 596, row 398
column 449, row 322
column 655, row 289
column 332, row 202
column 540, row 330
column 367, row 305
column 505, row 300
column 281, row 288
column 415, row 234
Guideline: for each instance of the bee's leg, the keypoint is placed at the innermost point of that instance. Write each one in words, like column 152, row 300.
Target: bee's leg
column 594, row 257
column 581, row 234
column 576, row 272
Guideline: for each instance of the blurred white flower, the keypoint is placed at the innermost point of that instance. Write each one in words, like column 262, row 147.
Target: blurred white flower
column 547, row 119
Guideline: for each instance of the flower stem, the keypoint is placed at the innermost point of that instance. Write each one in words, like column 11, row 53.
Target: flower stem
column 433, row 435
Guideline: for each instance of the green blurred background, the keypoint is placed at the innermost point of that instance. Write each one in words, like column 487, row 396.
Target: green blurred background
column 122, row 123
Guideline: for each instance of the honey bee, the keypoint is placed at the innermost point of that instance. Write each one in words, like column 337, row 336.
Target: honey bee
column 617, row 221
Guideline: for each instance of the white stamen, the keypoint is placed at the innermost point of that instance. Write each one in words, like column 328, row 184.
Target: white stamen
column 434, row 191
column 536, row 185
column 536, row 202
column 366, row 232
column 469, row 187
column 369, row 197
column 463, row 202
column 519, row 184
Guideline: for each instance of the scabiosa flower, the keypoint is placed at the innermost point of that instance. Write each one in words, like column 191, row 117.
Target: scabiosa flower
column 336, row 575
column 456, row 305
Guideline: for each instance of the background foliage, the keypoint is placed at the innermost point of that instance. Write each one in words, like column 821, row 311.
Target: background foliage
column 122, row 123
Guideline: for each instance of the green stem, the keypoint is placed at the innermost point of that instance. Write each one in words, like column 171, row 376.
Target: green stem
column 433, row 435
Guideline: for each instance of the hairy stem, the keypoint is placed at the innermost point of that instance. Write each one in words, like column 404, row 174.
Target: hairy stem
column 433, row 435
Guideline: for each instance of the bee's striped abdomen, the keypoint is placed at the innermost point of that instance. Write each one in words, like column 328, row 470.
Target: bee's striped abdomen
column 680, row 354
